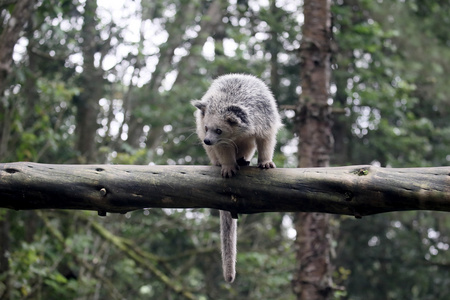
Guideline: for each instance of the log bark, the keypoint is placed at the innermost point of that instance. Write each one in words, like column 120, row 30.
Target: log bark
column 351, row 190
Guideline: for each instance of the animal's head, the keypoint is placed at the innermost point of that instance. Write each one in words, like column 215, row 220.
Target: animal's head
column 221, row 125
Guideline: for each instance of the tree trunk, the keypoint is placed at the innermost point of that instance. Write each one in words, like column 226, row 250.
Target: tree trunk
column 9, row 36
column 312, row 279
column 4, row 250
column 92, row 83
column 274, row 47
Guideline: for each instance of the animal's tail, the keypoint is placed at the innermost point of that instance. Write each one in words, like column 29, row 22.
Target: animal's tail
column 228, row 236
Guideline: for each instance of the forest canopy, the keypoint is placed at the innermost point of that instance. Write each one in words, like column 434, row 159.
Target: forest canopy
column 110, row 82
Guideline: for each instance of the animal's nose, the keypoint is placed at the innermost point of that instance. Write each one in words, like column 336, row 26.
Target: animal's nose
column 207, row 142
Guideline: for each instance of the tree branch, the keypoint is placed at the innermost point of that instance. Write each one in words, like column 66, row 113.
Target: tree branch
column 352, row 190
column 144, row 258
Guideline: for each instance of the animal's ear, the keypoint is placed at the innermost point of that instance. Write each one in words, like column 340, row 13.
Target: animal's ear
column 200, row 105
column 236, row 115
column 232, row 120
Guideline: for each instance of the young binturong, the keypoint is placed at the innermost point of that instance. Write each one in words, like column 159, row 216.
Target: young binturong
column 237, row 116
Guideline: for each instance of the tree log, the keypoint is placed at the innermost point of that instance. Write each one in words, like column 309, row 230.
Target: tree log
column 352, row 190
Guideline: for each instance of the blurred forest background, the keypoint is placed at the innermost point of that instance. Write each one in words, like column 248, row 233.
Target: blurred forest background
column 110, row 82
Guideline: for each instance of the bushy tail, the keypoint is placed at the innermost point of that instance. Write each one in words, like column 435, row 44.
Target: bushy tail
column 228, row 236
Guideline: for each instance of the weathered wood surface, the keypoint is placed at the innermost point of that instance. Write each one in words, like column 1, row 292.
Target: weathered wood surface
column 351, row 190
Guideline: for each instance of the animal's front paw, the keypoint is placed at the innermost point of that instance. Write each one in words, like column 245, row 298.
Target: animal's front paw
column 229, row 171
column 267, row 165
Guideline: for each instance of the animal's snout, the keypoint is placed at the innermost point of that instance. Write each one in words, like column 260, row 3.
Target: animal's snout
column 207, row 142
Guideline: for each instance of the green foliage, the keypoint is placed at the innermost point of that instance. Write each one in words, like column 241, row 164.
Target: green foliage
column 408, row 248
column 387, row 80
column 380, row 78
column 35, row 268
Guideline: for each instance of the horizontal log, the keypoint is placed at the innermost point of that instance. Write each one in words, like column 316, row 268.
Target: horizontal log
column 352, row 190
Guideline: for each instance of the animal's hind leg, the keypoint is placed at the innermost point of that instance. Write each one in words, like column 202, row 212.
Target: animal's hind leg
column 266, row 147
column 245, row 153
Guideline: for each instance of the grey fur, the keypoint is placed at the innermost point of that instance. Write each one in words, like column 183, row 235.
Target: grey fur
column 237, row 116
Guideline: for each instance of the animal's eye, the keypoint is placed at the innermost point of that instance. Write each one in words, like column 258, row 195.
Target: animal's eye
column 218, row 131
column 206, row 128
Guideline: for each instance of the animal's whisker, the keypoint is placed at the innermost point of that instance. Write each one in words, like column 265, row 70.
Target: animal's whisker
column 190, row 135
